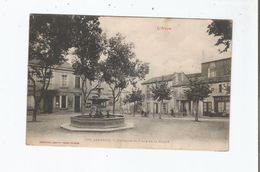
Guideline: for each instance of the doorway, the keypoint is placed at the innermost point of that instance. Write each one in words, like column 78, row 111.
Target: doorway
column 207, row 108
column 77, row 104
column 156, row 108
column 48, row 104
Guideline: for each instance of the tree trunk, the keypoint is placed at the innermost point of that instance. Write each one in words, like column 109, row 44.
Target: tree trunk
column 134, row 109
column 35, row 110
column 114, row 104
column 196, row 112
column 160, row 114
column 83, row 106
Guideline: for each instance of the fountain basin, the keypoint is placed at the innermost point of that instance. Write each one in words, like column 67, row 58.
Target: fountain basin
column 86, row 123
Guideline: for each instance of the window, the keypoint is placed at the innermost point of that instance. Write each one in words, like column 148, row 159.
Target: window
column 207, row 107
column 212, row 70
column 228, row 89
column 64, row 80
column 227, row 107
column 103, row 104
column 77, row 82
column 63, row 101
column 220, row 88
column 57, row 101
column 221, row 106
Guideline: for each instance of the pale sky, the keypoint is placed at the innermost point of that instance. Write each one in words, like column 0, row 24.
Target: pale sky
column 181, row 48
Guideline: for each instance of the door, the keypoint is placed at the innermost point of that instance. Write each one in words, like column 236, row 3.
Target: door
column 48, row 104
column 182, row 107
column 207, row 108
column 77, row 104
column 63, row 102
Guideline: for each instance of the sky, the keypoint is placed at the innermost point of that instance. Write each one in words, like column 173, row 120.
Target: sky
column 168, row 45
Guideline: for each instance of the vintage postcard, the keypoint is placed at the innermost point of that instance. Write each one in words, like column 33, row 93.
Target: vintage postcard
column 129, row 82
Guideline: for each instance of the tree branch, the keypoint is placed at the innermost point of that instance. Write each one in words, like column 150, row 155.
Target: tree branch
column 118, row 94
column 92, row 89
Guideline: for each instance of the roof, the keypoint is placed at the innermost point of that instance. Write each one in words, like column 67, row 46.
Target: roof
column 229, row 58
column 63, row 66
column 193, row 75
column 159, row 79
column 169, row 78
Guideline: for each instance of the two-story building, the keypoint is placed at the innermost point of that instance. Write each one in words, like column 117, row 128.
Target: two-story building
column 64, row 93
column 178, row 103
column 215, row 73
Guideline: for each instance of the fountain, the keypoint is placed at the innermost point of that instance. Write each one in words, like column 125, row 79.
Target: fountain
column 97, row 121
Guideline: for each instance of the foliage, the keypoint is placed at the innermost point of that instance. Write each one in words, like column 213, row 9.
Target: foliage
column 47, row 49
column 88, row 44
column 223, row 30
column 161, row 91
column 197, row 92
column 121, row 68
column 135, row 96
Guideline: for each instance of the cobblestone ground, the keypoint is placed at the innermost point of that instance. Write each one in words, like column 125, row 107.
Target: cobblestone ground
column 169, row 133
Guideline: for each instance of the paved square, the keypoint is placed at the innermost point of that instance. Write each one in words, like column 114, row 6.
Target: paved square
column 169, row 133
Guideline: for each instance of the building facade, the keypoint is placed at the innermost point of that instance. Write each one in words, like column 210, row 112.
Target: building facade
column 178, row 104
column 214, row 73
column 218, row 75
column 64, row 93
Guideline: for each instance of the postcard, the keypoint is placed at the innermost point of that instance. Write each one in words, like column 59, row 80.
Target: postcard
column 129, row 82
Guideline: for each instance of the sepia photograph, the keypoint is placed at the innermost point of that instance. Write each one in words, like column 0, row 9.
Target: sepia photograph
column 129, row 82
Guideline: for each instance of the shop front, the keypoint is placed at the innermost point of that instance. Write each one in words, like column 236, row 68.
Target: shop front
column 222, row 105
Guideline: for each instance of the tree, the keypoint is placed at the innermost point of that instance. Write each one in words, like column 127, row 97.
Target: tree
column 88, row 44
column 197, row 92
column 223, row 30
column 161, row 92
column 47, row 49
column 121, row 68
column 135, row 97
